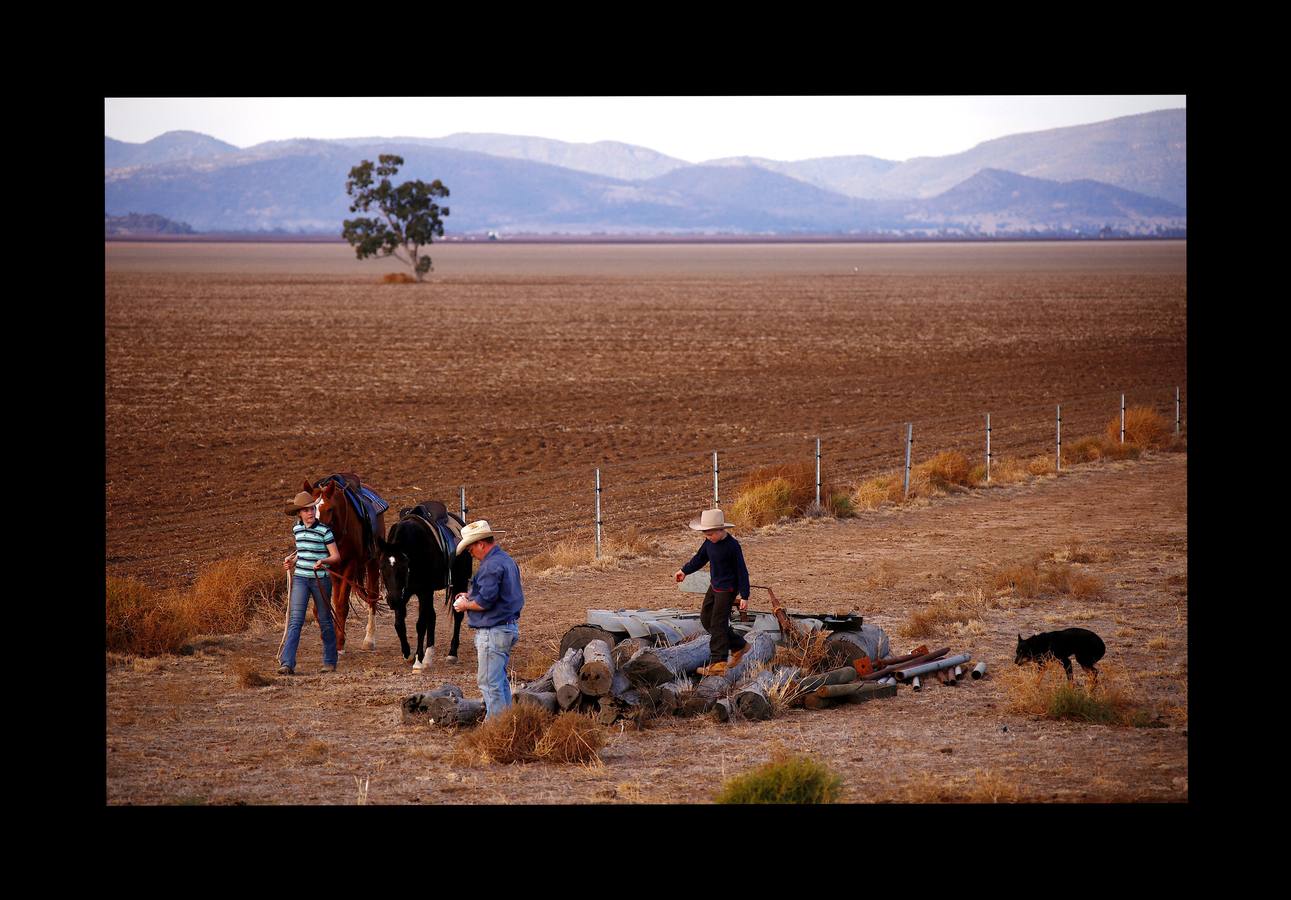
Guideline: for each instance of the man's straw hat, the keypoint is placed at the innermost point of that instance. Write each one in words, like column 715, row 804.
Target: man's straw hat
column 473, row 532
column 301, row 500
column 710, row 520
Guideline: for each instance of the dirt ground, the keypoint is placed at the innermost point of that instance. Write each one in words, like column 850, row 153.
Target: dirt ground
column 181, row 730
column 234, row 373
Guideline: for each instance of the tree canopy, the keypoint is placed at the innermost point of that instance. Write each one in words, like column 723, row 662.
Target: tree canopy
column 409, row 216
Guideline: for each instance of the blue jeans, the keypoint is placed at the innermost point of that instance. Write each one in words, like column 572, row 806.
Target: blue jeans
column 493, row 648
column 301, row 590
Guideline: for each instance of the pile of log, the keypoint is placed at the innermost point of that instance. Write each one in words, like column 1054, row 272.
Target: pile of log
column 636, row 680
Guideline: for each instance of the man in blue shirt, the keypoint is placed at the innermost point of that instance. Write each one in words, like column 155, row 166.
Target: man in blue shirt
column 493, row 604
column 729, row 576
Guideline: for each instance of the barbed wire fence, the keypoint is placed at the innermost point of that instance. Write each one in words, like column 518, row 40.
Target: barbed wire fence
column 658, row 493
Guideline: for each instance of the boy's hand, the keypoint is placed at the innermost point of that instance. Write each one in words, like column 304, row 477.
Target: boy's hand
column 680, row 576
column 744, row 604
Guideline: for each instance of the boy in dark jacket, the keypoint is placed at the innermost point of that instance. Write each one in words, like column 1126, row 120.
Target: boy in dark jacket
column 729, row 577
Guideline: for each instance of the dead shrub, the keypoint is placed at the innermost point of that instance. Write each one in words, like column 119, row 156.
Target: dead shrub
column 1085, row 586
column 398, row 278
column 770, row 493
column 572, row 553
column 927, row 622
column 1084, row 450
column 978, row 786
column 227, row 594
column 142, row 621
column 571, row 738
column 763, row 503
column 1008, row 470
column 1145, row 428
column 1042, row 465
column 315, row 753
column 509, row 737
column 1023, row 579
column 877, row 491
column 947, row 470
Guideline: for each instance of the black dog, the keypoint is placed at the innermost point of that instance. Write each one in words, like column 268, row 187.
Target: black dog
column 1086, row 646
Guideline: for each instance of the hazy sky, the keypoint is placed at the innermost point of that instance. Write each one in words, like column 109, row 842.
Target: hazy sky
column 689, row 128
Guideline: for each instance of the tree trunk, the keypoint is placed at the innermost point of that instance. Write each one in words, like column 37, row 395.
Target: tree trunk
column 564, row 676
column 579, row 636
column 761, row 650
column 417, row 708
column 543, row 700
column 447, row 711
column 673, row 696
column 659, row 665
column 841, row 675
column 596, row 675
column 624, row 650
column 811, row 701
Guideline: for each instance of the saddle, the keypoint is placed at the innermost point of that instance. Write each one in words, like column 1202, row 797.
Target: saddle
column 445, row 527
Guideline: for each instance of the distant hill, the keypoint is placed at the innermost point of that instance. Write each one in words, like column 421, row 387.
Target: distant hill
column 137, row 223
column 173, row 146
column 298, row 186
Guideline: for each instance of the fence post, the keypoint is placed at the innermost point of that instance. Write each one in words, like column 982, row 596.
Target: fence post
column 464, row 519
column 716, row 503
column 817, row 473
column 1176, row 412
column 988, row 448
column 598, row 514
column 1122, row 418
column 909, row 439
column 1059, row 462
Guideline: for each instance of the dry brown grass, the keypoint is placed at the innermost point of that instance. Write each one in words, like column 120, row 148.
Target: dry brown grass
column 1044, row 691
column 1042, row 465
column 879, row 490
column 1158, row 643
column 227, row 594
column 315, row 753
column 1084, row 450
column 142, row 621
column 946, row 471
column 978, row 786
column 1022, row 578
column 398, row 278
column 806, row 650
column 571, row 738
column 1145, row 429
column 771, row 493
column 248, row 673
column 573, row 553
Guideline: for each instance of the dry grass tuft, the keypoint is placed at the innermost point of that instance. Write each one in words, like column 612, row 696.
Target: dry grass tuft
column 1145, row 429
column 771, row 493
column 227, row 594
column 511, row 736
column 1084, row 450
column 785, row 779
column 763, row 504
column 978, row 786
column 1008, row 470
column 1023, row 579
column 571, row 738
column 248, row 673
column 1044, row 691
column 142, row 621
column 315, row 753
column 808, row 651
column 1042, row 465
column 573, row 553
column 946, row 471
column 398, row 278
column 877, row 491
column 1158, row 643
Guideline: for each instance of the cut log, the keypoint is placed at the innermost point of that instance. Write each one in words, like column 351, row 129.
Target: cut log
column 856, row 692
column 456, row 711
column 580, row 636
column 841, row 675
column 624, row 649
column 659, row 665
column 761, row 649
column 544, row 700
column 846, row 646
column 673, row 696
column 564, row 676
column 725, row 710
column 610, row 709
column 752, row 699
column 416, row 709
column 811, row 701
column 596, row 674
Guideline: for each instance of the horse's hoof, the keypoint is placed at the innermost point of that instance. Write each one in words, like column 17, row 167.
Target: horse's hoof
column 417, row 667
column 369, row 645
column 451, row 659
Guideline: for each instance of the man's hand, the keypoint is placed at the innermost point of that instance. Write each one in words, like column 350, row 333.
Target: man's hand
column 744, row 603
column 680, row 576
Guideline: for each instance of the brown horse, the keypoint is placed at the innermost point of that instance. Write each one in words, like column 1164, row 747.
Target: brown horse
column 360, row 566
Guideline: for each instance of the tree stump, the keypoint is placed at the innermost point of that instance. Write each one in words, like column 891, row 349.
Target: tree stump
column 845, row 646
column 596, row 675
column 579, row 636
column 448, row 711
column 564, row 676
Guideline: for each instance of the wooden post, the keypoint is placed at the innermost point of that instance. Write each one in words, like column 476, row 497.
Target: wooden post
column 565, row 678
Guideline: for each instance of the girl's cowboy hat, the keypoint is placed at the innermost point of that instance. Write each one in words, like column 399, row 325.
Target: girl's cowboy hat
column 710, row 520
column 473, row 532
column 301, row 500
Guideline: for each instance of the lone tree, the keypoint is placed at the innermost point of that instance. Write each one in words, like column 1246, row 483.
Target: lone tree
column 410, row 217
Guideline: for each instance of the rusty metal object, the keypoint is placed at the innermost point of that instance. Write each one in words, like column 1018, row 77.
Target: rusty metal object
column 930, row 667
column 862, row 665
column 922, row 658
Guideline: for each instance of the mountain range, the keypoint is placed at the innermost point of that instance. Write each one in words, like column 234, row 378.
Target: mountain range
column 1124, row 176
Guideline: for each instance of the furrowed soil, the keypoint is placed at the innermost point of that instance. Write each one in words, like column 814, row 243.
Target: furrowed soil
column 235, row 372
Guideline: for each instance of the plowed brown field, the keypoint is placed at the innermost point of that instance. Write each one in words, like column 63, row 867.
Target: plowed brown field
column 233, row 372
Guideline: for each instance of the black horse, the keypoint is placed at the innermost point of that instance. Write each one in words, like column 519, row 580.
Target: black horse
column 414, row 562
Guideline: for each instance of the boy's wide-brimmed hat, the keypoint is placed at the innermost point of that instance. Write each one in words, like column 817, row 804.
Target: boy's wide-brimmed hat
column 301, row 500
column 474, row 532
column 710, row 520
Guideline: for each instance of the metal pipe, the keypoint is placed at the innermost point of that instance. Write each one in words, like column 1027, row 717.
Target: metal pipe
column 959, row 672
column 936, row 665
column 979, row 670
column 988, row 448
column 909, row 439
column 817, row 472
column 715, row 500
column 464, row 503
column 1176, row 412
column 915, row 685
column 1122, row 418
column 1058, row 464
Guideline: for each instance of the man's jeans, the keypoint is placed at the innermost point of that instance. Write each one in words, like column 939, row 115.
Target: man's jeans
column 493, row 648
column 301, row 590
